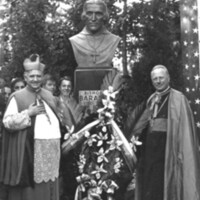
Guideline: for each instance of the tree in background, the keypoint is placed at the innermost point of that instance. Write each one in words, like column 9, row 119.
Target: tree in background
column 36, row 27
column 155, row 26
column 152, row 30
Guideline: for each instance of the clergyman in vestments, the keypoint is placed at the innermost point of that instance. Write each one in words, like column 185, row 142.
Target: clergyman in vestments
column 31, row 139
column 94, row 46
column 168, row 162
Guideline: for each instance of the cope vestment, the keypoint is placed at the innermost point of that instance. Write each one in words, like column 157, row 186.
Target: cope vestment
column 89, row 55
column 152, row 158
column 181, row 156
column 31, row 151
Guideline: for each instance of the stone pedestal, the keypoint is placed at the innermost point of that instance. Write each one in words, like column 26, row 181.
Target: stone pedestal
column 87, row 85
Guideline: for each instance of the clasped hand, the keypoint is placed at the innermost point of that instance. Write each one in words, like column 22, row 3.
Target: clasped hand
column 34, row 110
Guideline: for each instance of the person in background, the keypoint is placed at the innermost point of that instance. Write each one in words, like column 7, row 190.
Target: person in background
column 68, row 169
column 17, row 84
column 4, row 96
column 6, row 91
column 49, row 83
column 168, row 159
column 65, row 90
column 72, row 117
column 2, row 83
column 74, row 112
column 31, row 139
column 3, row 101
column 66, row 101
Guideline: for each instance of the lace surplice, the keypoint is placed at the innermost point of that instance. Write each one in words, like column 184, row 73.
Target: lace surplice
column 46, row 160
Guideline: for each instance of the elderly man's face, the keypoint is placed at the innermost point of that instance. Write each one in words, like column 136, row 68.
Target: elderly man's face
column 160, row 79
column 94, row 17
column 33, row 79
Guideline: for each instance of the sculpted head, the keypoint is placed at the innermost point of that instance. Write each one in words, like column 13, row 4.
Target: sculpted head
column 160, row 78
column 95, row 15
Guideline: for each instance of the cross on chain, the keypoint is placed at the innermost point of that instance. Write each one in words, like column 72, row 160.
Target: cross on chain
column 94, row 56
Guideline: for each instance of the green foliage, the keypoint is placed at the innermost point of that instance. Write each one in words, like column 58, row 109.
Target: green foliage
column 156, row 26
column 29, row 31
column 151, row 30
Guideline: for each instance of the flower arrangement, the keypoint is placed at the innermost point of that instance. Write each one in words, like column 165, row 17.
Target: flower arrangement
column 104, row 151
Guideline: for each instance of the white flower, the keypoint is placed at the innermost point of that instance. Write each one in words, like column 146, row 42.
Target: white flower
column 81, row 162
column 108, row 104
column 104, row 129
column 90, row 140
column 118, row 165
column 108, row 114
column 98, row 171
column 70, row 131
column 110, row 92
column 98, row 190
column 101, row 155
column 101, row 138
column 82, row 158
column 109, row 186
column 135, row 142
column 100, row 110
column 87, row 134
column 115, row 143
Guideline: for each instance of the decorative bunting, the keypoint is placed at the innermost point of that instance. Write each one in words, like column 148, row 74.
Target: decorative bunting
column 190, row 54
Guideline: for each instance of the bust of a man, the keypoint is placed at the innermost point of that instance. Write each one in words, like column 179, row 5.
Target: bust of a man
column 94, row 46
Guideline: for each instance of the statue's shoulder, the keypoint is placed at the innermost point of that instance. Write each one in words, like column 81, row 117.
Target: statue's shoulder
column 78, row 36
column 114, row 37
column 75, row 37
column 110, row 37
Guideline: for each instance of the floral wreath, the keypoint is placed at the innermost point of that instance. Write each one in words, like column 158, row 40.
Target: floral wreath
column 104, row 151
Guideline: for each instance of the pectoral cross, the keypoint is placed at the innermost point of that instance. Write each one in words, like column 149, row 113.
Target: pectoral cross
column 94, row 56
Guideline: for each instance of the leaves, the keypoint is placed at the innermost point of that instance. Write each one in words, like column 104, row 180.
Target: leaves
column 77, row 111
column 114, row 79
column 152, row 30
column 138, row 114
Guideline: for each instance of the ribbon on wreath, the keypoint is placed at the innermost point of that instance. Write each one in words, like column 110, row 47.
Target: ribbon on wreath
column 85, row 181
column 75, row 138
column 127, row 151
column 109, row 186
column 82, row 180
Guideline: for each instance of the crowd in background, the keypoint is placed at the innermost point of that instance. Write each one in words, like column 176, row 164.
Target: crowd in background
column 61, row 88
